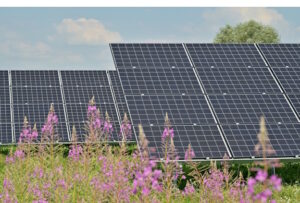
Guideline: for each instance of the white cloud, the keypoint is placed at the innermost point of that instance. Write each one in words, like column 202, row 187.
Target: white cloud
column 13, row 48
column 86, row 31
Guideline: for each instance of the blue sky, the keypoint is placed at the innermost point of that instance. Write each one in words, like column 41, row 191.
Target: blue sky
column 69, row 38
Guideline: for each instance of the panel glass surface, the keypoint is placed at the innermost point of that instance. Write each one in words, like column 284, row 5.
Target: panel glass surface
column 154, row 81
column 187, row 109
column 206, row 141
column 225, row 55
column 35, row 78
column 284, row 138
column 282, row 55
column 245, row 80
column 232, row 109
column 150, row 55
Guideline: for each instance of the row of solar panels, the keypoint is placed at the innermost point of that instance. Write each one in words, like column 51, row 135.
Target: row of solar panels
column 214, row 95
column 30, row 93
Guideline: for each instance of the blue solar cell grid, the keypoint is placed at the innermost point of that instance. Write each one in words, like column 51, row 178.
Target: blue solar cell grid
column 149, row 55
column 206, row 141
column 246, row 80
column 225, row 55
column 281, row 55
column 284, row 138
column 154, row 81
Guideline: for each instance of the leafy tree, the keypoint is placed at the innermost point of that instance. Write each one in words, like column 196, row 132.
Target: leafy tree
column 248, row 32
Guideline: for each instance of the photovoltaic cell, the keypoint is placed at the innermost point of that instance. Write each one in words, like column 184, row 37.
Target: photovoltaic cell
column 243, row 109
column 4, row 79
column 206, row 141
column 284, row 138
column 155, row 81
column 281, row 55
column 37, row 95
column 289, row 78
column 295, row 100
column 35, row 78
column 82, row 95
column 181, row 109
column 84, row 78
column 78, row 112
column 119, row 94
column 36, row 112
column 150, row 55
column 245, row 80
column 5, row 113
column 5, row 133
column 117, row 87
column 4, row 95
column 225, row 55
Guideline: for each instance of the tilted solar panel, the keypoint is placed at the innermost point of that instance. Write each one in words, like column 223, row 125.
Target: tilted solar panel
column 284, row 138
column 245, row 80
column 182, row 109
column 205, row 141
column 6, row 136
column 281, row 55
column 33, row 92
column 155, row 81
column 79, row 87
column 149, row 55
column 225, row 55
column 244, row 109
column 35, row 78
column 289, row 78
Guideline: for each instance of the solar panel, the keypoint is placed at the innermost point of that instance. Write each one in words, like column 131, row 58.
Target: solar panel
column 284, row 138
column 182, row 109
column 86, row 78
column 5, row 114
column 295, row 100
column 150, row 55
column 84, row 94
column 5, row 133
column 36, row 95
column 243, row 109
column 4, row 95
column 33, row 92
column 119, row 94
column 289, row 78
column 4, row 79
column 225, row 55
column 206, row 141
column 155, row 81
column 79, row 87
column 281, row 55
column 35, row 78
column 245, row 80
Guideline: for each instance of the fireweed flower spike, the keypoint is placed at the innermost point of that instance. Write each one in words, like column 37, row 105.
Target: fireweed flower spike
column 76, row 150
column 49, row 127
column 125, row 130
column 189, row 154
column 107, row 128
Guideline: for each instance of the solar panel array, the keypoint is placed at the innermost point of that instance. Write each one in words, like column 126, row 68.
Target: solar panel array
column 238, row 87
column 32, row 92
column 155, row 88
column 214, row 95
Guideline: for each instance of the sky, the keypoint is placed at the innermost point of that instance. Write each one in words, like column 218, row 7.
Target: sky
column 78, row 38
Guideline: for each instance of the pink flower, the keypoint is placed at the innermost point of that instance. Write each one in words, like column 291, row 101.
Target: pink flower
column 189, row 154
column 75, row 152
column 261, row 176
column 168, row 133
column 107, row 128
column 276, row 182
column 19, row 154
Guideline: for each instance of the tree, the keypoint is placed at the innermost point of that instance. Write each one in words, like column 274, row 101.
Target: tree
column 248, row 32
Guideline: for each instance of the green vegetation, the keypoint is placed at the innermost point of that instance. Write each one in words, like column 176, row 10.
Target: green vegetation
column 248, row 32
